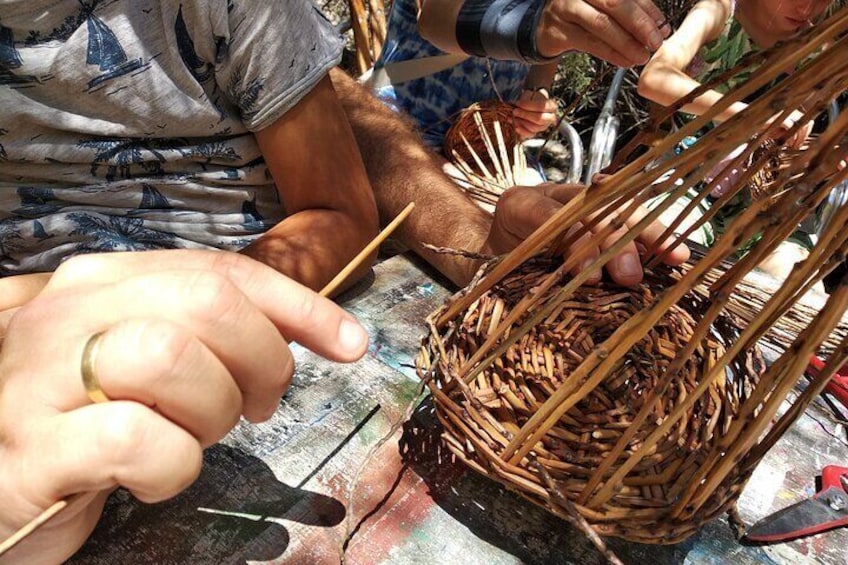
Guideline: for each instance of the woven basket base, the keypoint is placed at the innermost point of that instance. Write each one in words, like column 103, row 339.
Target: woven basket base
column 482, row 416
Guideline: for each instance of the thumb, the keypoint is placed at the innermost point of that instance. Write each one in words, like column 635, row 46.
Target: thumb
column 562, row 193
column 101, row 446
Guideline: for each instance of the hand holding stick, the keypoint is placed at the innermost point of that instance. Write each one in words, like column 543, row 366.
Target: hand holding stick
column 97, row 396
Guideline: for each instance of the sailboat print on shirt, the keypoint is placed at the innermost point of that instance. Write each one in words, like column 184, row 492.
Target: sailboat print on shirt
column 202, row 71
column 10, row 59
column 105, row 50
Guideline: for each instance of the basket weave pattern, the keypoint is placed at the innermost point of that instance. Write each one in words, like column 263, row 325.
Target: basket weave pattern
column 642, row 412
column 485, row 149
column 503, row 397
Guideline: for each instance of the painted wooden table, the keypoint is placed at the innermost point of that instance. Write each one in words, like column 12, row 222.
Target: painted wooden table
column 295, row 490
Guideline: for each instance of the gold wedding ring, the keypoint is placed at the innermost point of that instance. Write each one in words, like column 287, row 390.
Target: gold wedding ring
column 89, row 378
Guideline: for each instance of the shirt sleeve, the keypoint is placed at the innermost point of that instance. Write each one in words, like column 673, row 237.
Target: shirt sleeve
column 270, row 54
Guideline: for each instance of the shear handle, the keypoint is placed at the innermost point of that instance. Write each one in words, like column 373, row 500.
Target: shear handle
column 831, row 477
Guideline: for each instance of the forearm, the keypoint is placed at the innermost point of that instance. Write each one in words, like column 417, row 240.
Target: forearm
column 665, row 85
column 437, row 23
column 313, row 157
column 665, row 79
column 402, row 170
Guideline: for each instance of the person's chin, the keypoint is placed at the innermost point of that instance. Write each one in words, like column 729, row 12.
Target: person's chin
column 793, row 25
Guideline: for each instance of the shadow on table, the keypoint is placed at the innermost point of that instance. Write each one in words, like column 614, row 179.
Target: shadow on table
column 503, row 518
column 244, row 505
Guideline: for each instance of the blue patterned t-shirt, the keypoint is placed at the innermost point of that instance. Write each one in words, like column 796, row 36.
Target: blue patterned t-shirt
column 434, row 101
column 126, row 124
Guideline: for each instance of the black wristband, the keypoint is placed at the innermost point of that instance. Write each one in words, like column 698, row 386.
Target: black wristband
column 528, row 31
column 501, row 29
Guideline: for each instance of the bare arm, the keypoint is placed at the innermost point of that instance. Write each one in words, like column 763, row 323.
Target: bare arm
column 664, row 79
column 313, row 156
column 401, row 169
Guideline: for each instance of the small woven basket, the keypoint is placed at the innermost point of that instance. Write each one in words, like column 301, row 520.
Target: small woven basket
column 484, row 146
column 479, row 131
column 642, row 412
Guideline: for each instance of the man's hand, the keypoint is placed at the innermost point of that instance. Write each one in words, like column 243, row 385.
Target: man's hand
column 534, row 113
column 192, row 341
column 622, row 32
column 521, row 210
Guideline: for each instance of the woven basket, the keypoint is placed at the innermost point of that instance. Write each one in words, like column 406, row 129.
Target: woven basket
column 479, row 131
column 775, row 159
column 642, row 412
column 485, row 148
column 480, row 417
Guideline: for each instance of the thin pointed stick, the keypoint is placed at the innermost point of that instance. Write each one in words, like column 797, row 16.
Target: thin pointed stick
column 476, row 157
column 510, row 180
column 490, row 147
column 37, row 522
column 370, row 248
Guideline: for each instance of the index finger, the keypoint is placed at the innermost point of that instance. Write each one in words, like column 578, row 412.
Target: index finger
column 299, row 314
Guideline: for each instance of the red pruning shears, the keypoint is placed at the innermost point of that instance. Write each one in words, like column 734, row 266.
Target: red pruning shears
column 825, row 510
column 838, row 385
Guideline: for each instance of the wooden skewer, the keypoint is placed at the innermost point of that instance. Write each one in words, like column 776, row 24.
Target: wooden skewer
column 57, row 507
column 37, row 522
column 375, row 243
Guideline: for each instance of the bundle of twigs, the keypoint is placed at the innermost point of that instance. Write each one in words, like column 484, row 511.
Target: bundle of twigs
column 644, row 411
column 485, row 148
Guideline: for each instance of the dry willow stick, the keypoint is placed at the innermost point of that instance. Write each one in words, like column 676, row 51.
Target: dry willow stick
column 370, row 248
column 788, row 366
column 57, row 507
column 361, row 35
column 377, row 27
column 704, row 328
column 566, row 390
column 574, row 517
column 38, row 521
column 694, row 159
column 630, row 178
column 803, row 349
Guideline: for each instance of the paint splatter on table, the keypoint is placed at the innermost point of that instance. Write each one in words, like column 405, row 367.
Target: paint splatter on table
column 279, row 492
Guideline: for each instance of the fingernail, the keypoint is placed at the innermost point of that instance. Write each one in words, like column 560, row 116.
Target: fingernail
column 656, row 40
column 629, row 265
column 352, row 336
